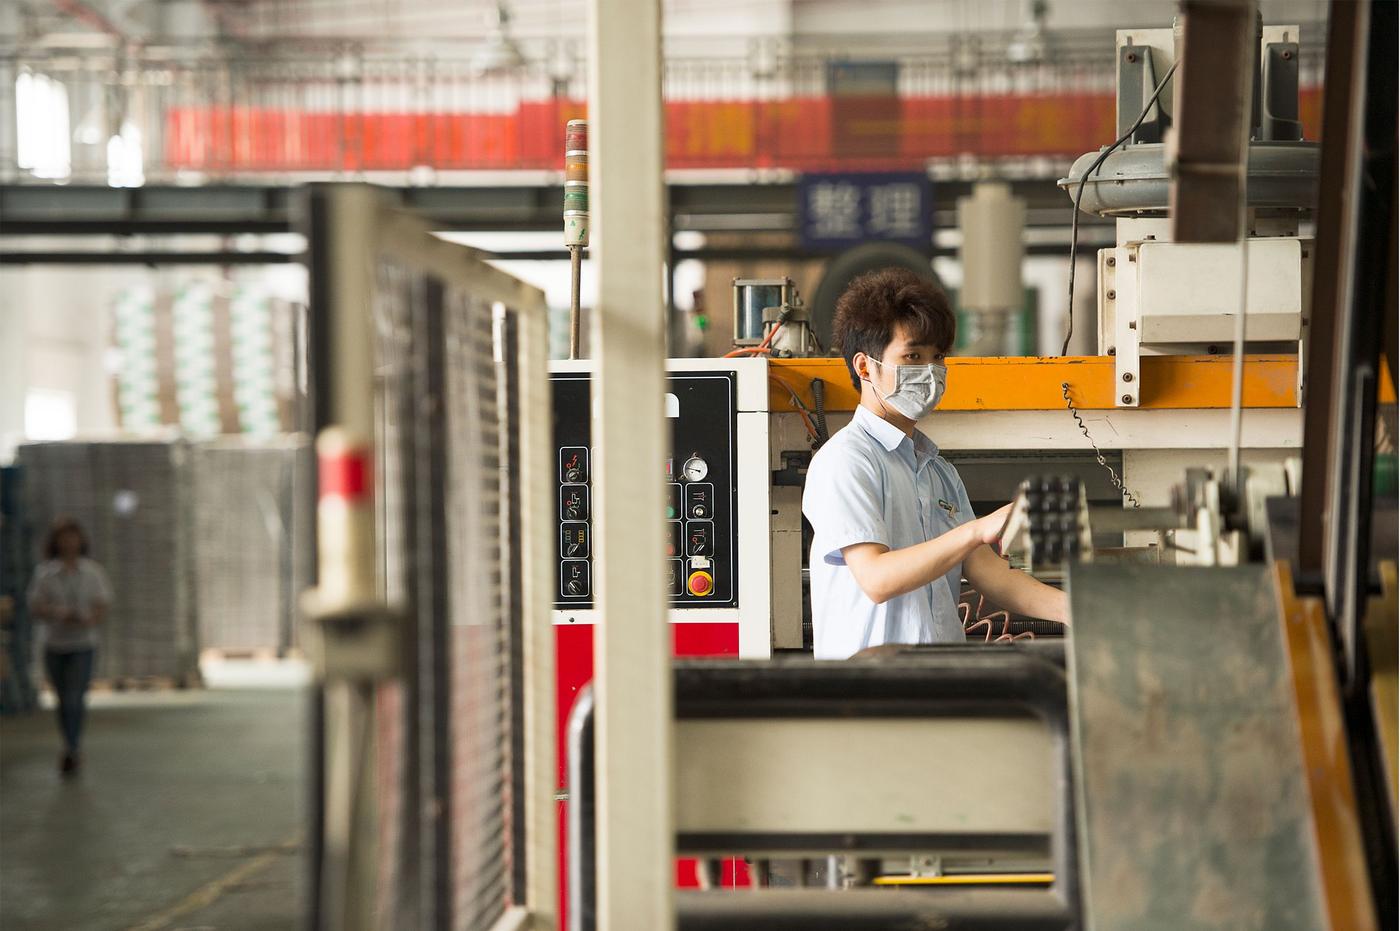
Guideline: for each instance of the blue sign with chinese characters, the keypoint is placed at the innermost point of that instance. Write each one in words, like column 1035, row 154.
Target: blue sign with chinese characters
column 841, row 210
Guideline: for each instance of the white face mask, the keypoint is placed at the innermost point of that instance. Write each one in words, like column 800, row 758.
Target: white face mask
column 917, row 388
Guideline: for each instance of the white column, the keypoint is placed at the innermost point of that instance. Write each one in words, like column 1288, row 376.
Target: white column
column 632, row 640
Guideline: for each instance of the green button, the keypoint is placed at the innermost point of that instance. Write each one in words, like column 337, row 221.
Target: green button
column 670, row 513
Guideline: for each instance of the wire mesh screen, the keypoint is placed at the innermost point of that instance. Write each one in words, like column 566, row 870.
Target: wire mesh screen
column 252, row 507
column 446, row 498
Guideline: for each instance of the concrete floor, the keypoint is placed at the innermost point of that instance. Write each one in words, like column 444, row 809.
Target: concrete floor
column 187, row 814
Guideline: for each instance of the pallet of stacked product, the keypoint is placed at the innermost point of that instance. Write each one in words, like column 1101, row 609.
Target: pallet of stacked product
column 133, row 500
column 148, row 523
column 252, row 501
column 17, row 557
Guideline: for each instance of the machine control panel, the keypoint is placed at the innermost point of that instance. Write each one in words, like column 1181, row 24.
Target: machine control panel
column 700, row 509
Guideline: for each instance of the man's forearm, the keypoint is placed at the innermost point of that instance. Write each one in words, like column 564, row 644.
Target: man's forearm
column 890, row 573
column 1014, row 590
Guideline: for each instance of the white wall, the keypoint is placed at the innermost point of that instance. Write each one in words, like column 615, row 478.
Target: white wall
column 55, row 336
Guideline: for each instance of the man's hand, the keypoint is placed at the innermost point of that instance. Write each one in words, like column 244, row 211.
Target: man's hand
column 988, row 529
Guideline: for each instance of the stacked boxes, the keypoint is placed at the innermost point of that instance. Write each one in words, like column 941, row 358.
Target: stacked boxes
column 133, row 500
column 17, row 691
column 206, row 545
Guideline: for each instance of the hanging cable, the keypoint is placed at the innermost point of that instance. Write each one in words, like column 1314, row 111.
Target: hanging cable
column 1079, row 196
column 1084, row 429
column 819, row 404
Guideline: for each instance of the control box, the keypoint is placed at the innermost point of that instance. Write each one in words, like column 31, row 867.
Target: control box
column 716, row 558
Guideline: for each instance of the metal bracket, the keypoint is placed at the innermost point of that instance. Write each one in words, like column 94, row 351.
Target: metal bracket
column 351, row 642
column 1127, row 358
column 1137, row 79
column 1279, row 93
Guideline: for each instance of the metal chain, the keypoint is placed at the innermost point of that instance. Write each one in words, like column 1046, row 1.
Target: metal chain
column 1084, row 429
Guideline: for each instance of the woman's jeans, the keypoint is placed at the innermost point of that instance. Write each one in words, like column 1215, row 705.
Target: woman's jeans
column 70, row 674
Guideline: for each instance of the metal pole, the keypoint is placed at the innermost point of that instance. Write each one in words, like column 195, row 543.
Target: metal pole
column 575, row 270
column 576, row 217
column 636, row 834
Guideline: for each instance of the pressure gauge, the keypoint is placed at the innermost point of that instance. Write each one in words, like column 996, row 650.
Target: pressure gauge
column 695, row 469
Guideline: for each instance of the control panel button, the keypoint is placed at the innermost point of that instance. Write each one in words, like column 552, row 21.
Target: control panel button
column 673, row 502
column 700, row 584
column 700, row 501
column 573, row 578
column 674, row 538
column 700, row 538
column 675, row 577
column 573, row 464
column 573, row 540
column 695, row 469
column 573, row 502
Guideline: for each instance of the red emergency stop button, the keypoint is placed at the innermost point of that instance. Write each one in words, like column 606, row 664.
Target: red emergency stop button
column 701, row 584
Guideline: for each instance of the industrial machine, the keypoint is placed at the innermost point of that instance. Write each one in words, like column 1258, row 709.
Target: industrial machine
column 1151, row 301
column 717, row 518
column 769, row 316
column 716, row 508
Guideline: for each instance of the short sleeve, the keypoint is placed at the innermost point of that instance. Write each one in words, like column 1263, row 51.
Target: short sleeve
column 97, row 578
column 844, row 500
column 38, row 586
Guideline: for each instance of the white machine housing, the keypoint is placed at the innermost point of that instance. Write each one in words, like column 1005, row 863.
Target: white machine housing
column 754, row 611
column 1158, row 297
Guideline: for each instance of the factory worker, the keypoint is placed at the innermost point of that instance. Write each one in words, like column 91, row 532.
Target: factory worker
column 70, row 594
column 894, row 532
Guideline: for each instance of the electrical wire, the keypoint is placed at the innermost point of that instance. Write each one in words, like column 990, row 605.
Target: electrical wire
column 799, row 406
column 761, row 348
column 1079, row 196
column 1084, row 429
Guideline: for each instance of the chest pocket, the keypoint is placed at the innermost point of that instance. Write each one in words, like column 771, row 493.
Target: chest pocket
column 936, row 518
column 940, row 520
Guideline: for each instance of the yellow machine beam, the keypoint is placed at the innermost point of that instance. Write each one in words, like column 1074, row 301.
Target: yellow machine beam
column 1027, row 383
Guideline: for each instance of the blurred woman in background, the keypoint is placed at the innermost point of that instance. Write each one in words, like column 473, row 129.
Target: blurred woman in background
column 70, row 593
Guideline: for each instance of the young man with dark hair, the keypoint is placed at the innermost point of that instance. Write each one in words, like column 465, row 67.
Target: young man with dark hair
column 894, row 532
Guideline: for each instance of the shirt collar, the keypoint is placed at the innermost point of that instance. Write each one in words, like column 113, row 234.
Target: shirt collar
column 890, row 436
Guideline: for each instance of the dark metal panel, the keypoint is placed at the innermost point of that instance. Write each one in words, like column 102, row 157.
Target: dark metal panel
column 1212, row 115
column 1279, row 92
column 44, row 209
column 1192, row 801
column 146, row 257
column 1336, row 194
column 870, row 910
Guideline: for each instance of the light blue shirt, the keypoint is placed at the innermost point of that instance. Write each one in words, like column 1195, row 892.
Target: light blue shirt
column 871, row 483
